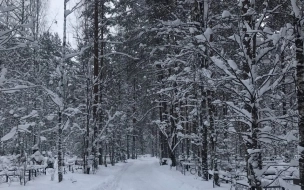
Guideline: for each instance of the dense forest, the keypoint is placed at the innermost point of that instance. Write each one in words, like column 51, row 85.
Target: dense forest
column 211, row 82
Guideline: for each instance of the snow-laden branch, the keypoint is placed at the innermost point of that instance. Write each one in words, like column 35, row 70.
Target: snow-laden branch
column 14, row 130
column 138, row 120
column 34, row 113
column 295, row 8
column 68, row 12
column 108, row 123
column 55, row 98
column 243, row 112
column 119, row 53
column 17, row 88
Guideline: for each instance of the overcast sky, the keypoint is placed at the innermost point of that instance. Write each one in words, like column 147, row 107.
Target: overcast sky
column 55, row 13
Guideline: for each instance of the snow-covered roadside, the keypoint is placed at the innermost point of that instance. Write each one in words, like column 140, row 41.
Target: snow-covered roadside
column 71, row 181
column 190, row 181
column 141, row 174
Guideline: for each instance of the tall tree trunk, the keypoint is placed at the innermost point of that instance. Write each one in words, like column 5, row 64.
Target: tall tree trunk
column 254, row 161
column 173, row 135
column 204, row 152
column 105, row 155
column 200, row 14
column 300, row 95
column 213, row 136
column 128, row 146
column 60, row 164
column 102, row 44
column 61, row 95
column 134, row 121
column 101, row 154
column 133, row 145
column 173, row 158
column 96, row 82
column 87, row 135
column 188, row 130
column 113, row 150
column 163, row 143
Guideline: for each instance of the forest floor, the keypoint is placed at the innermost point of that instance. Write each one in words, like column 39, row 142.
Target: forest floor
column 141, row 174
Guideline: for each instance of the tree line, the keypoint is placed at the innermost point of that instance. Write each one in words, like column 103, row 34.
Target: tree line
column 219, row 81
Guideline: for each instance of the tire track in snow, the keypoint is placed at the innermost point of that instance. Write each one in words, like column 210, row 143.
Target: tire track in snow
column 112, row 184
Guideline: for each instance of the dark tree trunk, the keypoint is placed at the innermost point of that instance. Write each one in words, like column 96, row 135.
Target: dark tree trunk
column 61, row 93
column 100, row 155
column 213, row 136
column 87, row 122
column 134, row 121
column 200, row 14
column 60, row 175
column 300, row 95
column 128, row 147
column 102, row 44
column 173, row 158
column 254, row 159
column 162, row 138
column 133, row 146
column 284, row 104
column 105, row 155
column 96, row 82
column 113, row 151
column 87, row 135
column 205, row 152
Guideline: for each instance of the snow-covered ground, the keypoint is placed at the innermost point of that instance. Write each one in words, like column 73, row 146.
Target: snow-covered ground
column 141, row 174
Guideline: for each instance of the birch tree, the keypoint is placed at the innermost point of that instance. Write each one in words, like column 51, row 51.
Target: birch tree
column 253, row 84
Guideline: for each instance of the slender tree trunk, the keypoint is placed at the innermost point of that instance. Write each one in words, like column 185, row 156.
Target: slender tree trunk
column 128, row 147
column 202, row 17
column 163, row 143
column 200, row 14
column 134, row 132
column 205, row 152
column 60, row 175
column 133, row 145
column 188, row 131
column 173, row 134
column 213, row 136
column 101, row 154
column 300, row 95
column 173, row 158
column 61, row 92
column 254, row 161
column 87, row 135
column 284, row 104
column 160, row 134
column 105, row 155
column 113, row 150
column 102, row 44
column 96, row 83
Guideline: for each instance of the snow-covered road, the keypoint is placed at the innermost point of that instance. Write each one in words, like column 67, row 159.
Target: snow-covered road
column 146, row 174
column 142, row 174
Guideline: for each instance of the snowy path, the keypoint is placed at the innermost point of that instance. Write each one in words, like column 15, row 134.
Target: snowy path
column 145, row 174
column 140, row 174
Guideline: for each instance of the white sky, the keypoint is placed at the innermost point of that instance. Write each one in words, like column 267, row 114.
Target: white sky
column 55, row 13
